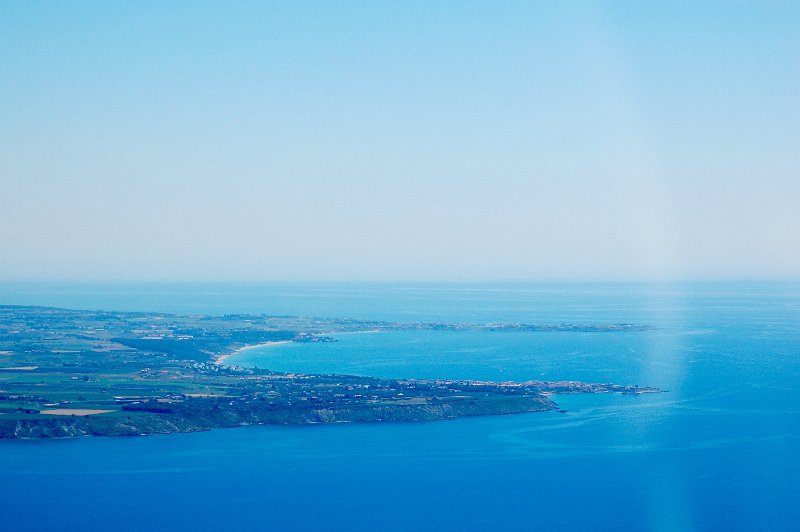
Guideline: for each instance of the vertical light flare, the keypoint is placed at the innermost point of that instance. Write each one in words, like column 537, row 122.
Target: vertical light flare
column 639, row 176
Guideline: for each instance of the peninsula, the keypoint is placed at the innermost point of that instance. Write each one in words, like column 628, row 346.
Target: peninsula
column 68, row 373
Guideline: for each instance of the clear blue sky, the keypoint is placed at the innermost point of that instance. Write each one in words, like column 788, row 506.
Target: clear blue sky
column 399, row 140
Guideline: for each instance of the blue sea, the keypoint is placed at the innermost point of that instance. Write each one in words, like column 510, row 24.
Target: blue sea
column 720, row 450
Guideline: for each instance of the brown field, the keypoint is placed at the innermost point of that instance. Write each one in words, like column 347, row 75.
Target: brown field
column 74, row 412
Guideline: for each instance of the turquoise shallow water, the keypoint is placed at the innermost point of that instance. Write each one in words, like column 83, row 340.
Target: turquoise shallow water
column 717, row 452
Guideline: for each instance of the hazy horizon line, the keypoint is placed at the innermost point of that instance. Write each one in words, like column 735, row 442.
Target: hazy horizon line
column 390, row 281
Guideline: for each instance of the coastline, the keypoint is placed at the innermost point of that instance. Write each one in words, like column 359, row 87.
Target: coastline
column 193, row 384
column 222, row 359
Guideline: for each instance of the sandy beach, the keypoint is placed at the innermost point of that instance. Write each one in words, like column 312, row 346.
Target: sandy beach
column 223, row 358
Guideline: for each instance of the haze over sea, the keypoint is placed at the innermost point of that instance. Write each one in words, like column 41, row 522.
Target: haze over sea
column 718, row 451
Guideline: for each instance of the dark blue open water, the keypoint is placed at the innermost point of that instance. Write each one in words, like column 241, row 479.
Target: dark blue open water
column 719, row 451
